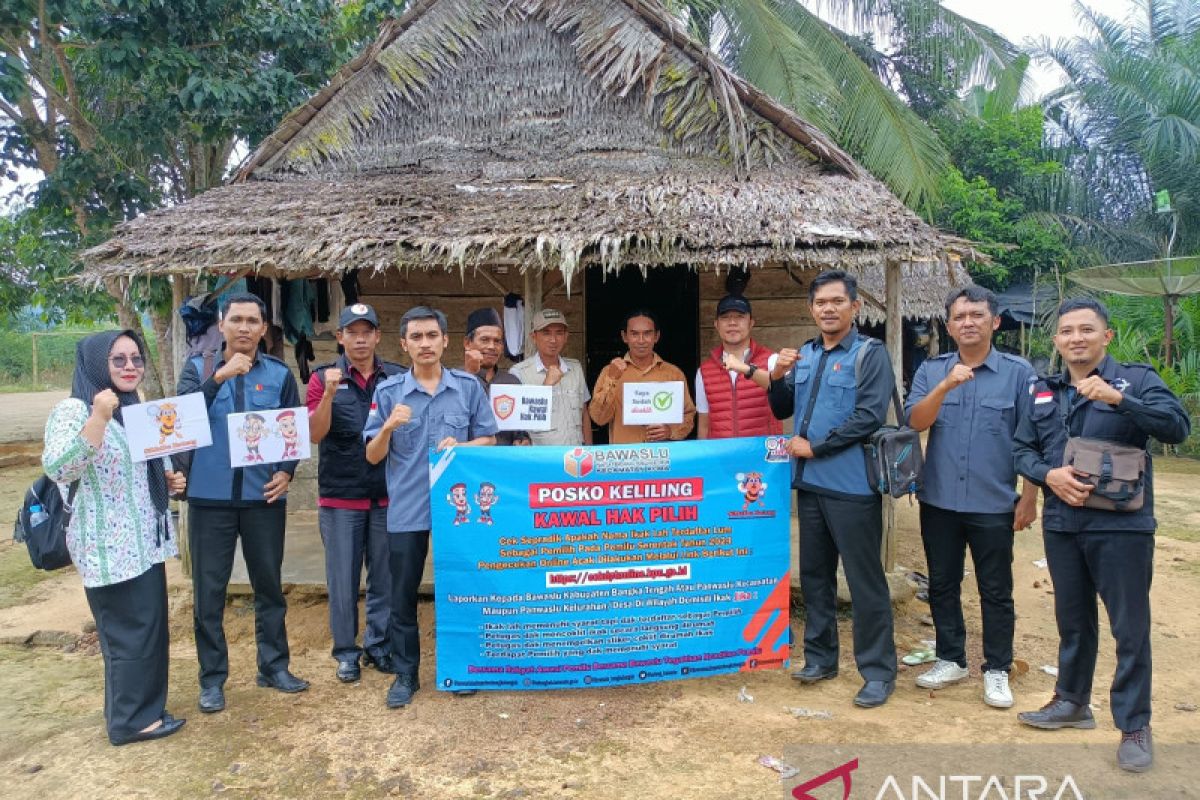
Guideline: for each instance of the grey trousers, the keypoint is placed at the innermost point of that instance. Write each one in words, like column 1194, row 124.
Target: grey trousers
column 352, row 537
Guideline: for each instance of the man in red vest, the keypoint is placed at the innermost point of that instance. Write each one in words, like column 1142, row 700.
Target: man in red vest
column 731, row 384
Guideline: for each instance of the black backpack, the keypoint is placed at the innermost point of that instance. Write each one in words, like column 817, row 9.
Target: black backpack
column 42, row 523
column 895, row 461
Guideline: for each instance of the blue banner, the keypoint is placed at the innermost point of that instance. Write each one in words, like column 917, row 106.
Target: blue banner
column 559, row 567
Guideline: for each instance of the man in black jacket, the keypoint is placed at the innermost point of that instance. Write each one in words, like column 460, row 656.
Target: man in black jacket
column 1093, row 550
column 353, row 494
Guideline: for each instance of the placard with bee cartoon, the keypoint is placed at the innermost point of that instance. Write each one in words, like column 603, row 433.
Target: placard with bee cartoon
column 171, row 425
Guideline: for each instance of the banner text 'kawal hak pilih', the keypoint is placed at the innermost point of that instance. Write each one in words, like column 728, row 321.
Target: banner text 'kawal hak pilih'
column 559, row 567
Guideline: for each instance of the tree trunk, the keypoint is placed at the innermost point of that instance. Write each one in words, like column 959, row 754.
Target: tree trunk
column 127, row 318
column 166, row 351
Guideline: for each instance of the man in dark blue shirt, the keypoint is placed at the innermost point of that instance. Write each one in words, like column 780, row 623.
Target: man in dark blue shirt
column 1091, row 549
column 971, row 398
column 838, row 386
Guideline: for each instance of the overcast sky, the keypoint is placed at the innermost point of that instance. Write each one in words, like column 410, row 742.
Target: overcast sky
column 1021, row 21
column 1027, row 22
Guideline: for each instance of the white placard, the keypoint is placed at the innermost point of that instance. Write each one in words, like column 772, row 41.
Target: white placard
column 522, row 408
column 163, row 427
column 653, row 403
column 268, row 437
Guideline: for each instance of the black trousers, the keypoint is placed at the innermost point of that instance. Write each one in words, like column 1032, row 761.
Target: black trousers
column 351, row 537
column 830, row 528
column 406, row 555
column 131, row 622
column 947, row 535
column 213, row 533
column 1118, row 566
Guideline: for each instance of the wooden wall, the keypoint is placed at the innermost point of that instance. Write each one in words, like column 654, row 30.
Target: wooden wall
column 780, row 304
column 393, row 293
column 781, row 316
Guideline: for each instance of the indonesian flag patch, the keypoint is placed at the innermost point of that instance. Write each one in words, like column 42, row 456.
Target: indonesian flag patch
column 1042, row 397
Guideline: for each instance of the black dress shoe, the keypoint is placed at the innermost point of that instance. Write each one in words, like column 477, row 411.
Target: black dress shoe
column 282, row 680
column 380, row 661
column 402, row 690
column 815, row 672
column 874, row 693
column 349, row 671
column 212, row 699
column 1059, row 713
column 169, row 726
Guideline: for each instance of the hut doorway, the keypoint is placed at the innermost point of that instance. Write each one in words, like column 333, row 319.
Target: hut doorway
column 670, row 293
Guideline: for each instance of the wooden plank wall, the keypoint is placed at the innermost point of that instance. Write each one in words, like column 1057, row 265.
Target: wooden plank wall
column 393, row 293
column 780, row 304
column 781, row 316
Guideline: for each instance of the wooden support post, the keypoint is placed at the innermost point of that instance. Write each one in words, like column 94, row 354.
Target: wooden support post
column 533, row 303
column 895, row 348
column 180, row 288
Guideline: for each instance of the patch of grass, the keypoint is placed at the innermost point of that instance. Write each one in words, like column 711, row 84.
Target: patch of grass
column 17, row 576
column 1177, row 466
column 1180, row 534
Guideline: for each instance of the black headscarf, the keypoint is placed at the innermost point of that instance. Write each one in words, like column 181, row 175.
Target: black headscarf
column 92, row 377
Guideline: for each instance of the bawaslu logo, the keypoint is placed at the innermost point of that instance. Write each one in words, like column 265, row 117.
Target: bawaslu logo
column 581, row 461
column 578, row 462
column 777, row 449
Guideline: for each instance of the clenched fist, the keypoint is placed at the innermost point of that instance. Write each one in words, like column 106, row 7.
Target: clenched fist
column 104, row 404
column 787, row 359
column 401, row 415
column 333, row 379
column 240, row 364
column 959, row 375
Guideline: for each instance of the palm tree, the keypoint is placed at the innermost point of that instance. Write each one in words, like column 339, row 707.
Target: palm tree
column 1131, row 107
column 824, row 63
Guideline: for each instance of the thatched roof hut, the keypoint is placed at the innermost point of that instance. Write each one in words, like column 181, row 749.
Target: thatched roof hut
column 542, row 135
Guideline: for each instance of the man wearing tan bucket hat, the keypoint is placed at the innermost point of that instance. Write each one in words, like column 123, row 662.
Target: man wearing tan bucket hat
column 569, row 422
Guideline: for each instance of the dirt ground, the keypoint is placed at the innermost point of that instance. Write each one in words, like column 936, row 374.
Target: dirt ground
column 690, row 738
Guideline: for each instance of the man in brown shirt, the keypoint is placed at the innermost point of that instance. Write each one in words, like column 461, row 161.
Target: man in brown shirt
column 640, row 365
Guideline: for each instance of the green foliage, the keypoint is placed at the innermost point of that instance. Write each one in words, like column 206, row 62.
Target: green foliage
column 128, row 105
column 994, row 192
column 56, row 358
column 36, row 257
column 1132, row 102
column 834, row 76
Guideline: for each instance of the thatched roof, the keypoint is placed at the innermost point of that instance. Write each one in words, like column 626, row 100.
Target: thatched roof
column 549, row 134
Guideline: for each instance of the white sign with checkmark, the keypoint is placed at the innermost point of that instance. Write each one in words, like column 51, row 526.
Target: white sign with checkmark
column 653, row 403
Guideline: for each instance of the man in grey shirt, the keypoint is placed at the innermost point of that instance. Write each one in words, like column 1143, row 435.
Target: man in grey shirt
column 971, row 398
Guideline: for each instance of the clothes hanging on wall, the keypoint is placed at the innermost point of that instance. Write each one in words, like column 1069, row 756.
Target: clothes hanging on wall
column 514, row 326
column 299, row 308
column 350, row 289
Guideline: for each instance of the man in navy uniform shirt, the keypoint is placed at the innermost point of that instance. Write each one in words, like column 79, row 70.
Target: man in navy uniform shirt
column 227, row 503
column 1096, row 551
column 970, row 398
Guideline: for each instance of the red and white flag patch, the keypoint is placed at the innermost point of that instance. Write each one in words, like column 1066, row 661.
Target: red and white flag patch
column 1043, row 397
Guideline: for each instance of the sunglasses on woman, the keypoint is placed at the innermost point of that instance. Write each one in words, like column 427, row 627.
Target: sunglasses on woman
column 119, row 361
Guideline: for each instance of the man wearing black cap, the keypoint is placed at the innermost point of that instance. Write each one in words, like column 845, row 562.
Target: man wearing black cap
column 482, row 349
column 732, row 383
column 353, row 494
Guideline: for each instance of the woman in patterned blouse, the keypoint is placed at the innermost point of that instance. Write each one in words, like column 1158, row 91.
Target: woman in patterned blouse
column 120, row 532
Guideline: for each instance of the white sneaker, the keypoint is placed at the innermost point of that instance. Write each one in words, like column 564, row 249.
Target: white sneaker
column 941, row 675
column 995, row 689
